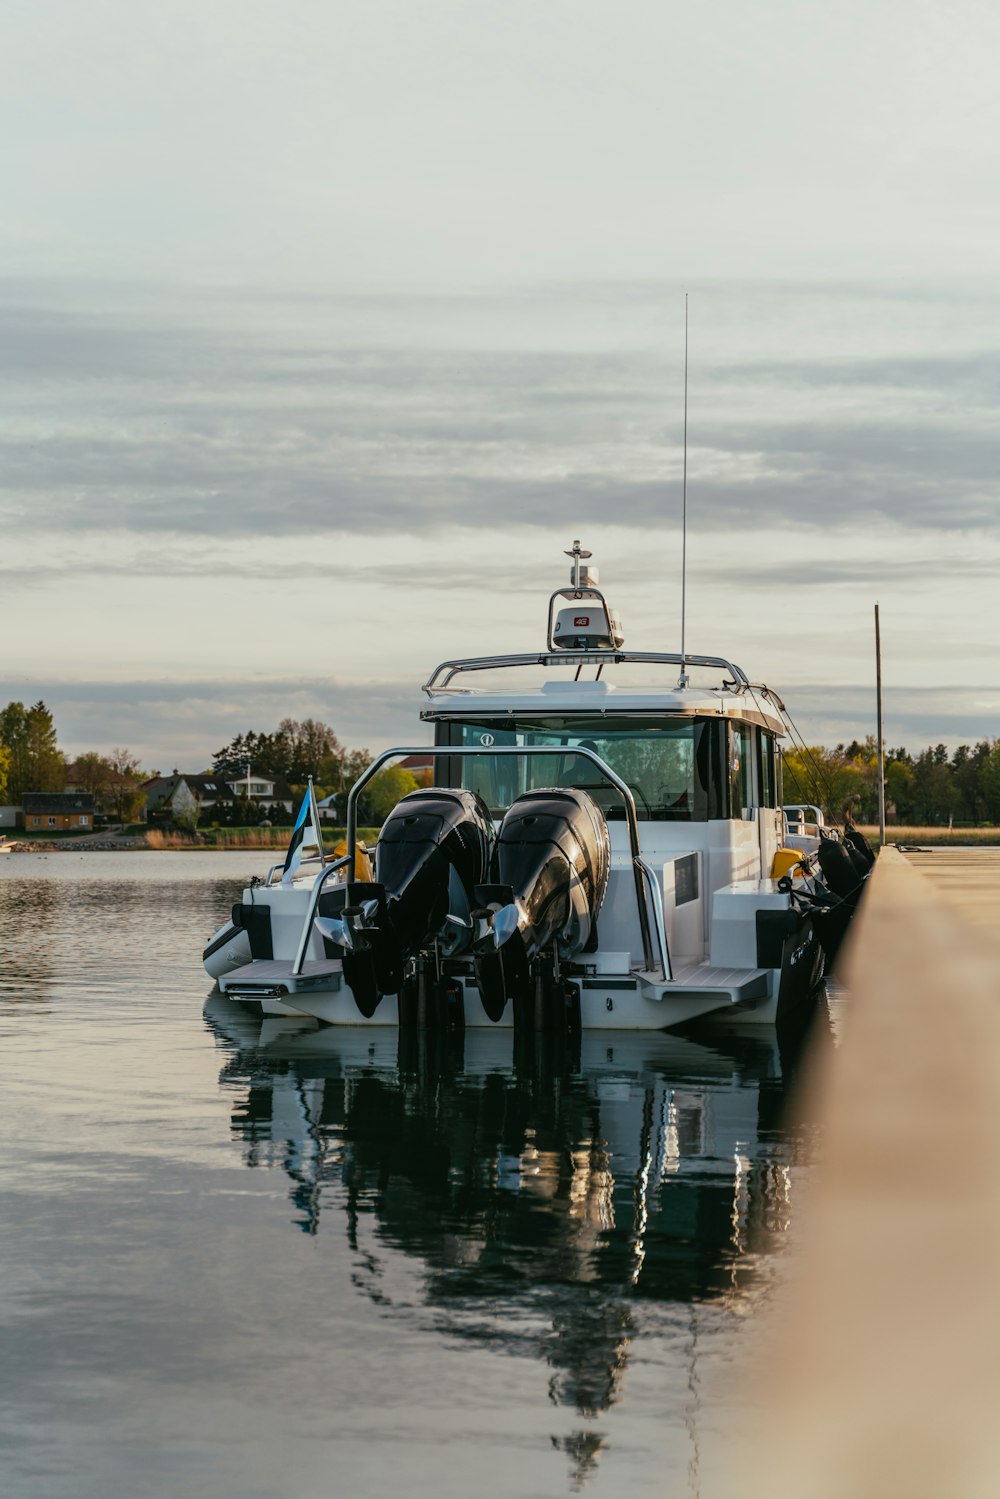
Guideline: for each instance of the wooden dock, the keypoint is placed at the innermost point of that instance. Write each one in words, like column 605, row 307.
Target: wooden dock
column 969, row 877
column 885, row 1375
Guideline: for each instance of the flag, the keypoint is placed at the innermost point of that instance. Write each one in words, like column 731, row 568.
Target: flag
column 307, row 836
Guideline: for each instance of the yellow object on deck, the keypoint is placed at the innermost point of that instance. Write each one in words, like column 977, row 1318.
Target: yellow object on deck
column 362, row 861
column 784, row 862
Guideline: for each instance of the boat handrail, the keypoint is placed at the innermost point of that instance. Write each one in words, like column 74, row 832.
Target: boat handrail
column 309, row 859
column 740, row 680
column 314, row 896
column 641, row 874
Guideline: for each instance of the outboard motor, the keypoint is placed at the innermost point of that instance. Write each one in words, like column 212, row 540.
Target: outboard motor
column 845, row 871
column 432, row 852
column 549, row 877
column 859, row 845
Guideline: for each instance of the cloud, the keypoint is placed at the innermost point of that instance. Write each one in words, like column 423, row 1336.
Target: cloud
column 183, row 722
column 204, row 428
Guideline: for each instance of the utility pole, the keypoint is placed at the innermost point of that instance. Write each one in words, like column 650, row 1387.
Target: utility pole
column 881, row 746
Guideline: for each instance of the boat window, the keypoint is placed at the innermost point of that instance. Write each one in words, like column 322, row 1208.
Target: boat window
column 740, row 784
column 672, row 767
column 768, row 772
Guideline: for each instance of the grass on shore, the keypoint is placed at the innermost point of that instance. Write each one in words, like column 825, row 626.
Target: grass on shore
column 248, row 838
column 942, row 837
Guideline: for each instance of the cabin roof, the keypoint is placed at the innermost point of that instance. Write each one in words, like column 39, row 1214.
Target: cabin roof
column 558, row 698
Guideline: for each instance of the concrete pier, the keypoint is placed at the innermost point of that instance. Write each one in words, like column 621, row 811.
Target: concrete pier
column 970, row 877
column 885, row 1380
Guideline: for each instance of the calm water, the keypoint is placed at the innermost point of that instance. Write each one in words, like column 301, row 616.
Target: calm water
column 259, row 1260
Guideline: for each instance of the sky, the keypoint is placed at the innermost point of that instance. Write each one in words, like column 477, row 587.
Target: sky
column 326, row 327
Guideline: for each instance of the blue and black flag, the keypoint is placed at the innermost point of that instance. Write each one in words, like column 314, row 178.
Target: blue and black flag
column 307, row 836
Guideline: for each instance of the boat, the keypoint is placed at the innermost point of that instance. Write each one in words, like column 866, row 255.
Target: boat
column 603, row 847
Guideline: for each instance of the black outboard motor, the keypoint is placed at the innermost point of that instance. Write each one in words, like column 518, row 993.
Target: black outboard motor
column 549, row 875
column 432, row 852
column 845, row 870
column 859, row 845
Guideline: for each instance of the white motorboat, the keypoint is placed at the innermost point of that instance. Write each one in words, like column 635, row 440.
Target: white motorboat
column 601, row 849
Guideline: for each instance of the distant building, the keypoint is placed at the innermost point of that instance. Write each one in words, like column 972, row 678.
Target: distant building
column 57, row 811
column 11, row 817
column 185, row 795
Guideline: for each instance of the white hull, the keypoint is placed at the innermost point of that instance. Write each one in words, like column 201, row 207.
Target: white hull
column 602, row 1008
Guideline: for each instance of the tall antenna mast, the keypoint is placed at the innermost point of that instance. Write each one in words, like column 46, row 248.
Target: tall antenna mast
column 682, row 681
column 879, row 740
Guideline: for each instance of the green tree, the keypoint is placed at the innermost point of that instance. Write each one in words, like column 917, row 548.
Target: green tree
column 126, row 779
column 989, row 782
column 932, row 790
column 14, row 735
column 385, row 789
column 4, row 771
column 899, row 789
column 826, row 778
column 29, row 735
column 310, row 744
column 266, row 754
column 93, row 773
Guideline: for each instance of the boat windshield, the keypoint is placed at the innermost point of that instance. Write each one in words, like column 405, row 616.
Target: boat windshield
column 673, row 767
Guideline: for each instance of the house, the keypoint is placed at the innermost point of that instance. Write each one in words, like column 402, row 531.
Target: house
column 185, row 796
column 58, row 811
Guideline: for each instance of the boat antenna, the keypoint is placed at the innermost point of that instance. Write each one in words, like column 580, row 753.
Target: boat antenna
column 683, row 679
column 577, row 554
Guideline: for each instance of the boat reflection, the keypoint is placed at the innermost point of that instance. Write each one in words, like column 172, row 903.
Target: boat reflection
column 551, row 1195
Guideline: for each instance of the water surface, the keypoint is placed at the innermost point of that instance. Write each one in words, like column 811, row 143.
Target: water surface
column 259, row 1259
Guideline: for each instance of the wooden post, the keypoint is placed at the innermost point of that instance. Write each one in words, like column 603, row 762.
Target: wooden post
column 881, row 745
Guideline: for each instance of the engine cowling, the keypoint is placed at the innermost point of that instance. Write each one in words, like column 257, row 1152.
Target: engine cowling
column 549, row 875
column 433, row 851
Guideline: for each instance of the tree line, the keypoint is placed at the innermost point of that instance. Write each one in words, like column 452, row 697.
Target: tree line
column 931, row 788
column 31, row 761
column 297, row 751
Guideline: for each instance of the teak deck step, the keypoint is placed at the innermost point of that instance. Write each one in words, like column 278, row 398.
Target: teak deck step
column 739, row 983
column 271, row 975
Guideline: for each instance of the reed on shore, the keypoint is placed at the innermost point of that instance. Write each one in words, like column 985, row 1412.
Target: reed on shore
column 953, row 837
column 245, row 838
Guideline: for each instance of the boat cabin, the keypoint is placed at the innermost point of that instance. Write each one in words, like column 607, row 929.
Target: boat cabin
column 693, row 740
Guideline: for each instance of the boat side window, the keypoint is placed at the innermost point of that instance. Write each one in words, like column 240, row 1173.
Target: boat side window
column 672, row 766
column 740, row 782
column 768, row 771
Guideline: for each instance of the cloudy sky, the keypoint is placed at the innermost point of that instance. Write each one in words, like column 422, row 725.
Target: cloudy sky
column 326, row 325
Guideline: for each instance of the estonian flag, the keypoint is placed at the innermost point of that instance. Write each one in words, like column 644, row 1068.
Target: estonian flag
column 307, row 836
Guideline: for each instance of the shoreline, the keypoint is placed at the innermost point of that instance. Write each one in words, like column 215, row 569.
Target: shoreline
column 253, row 842
column 237, row 841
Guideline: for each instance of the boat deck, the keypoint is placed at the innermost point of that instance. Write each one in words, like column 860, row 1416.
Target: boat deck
column 740, row 983
column 271, row 975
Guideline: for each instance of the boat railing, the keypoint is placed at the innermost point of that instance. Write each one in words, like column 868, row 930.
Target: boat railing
column 442, row 675
column 279, row 869
column 314, row 895
column 802, row 826
column 643, row 876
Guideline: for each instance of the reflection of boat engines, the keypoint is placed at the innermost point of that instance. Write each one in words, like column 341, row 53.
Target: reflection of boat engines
column 549, row 875
column 433, row 851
